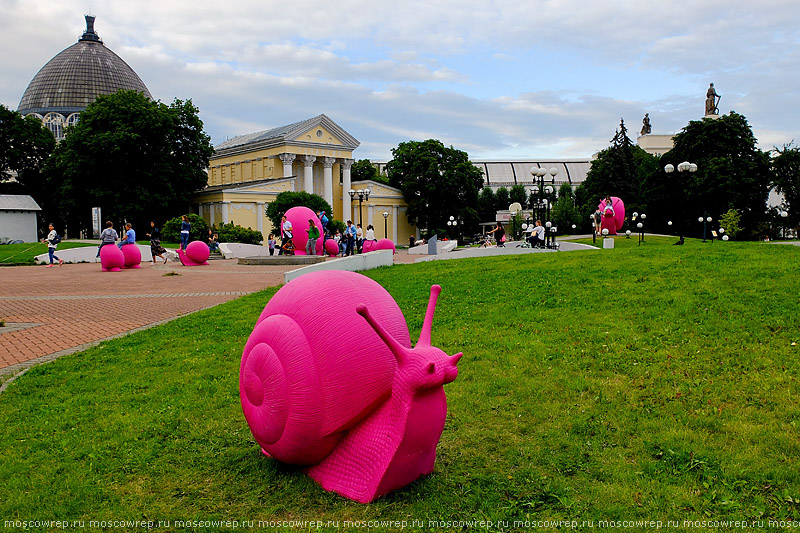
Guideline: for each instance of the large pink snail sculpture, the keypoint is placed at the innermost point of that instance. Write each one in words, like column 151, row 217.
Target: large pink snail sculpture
column 364, row 412
column 613, row 215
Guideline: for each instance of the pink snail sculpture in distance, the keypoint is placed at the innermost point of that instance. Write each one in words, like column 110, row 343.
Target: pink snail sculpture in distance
column 364, row 413
column 612, row 219
column 111, row 258
column 299, row 217
column 331, row 247
column 384, row 244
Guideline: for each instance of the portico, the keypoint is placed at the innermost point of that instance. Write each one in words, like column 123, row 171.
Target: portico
column 314, row 156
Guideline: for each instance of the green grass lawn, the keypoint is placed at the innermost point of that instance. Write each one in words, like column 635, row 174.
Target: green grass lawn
column 24, row 254
column 649, row 382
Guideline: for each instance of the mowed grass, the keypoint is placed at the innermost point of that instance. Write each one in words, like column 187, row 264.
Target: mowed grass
column 24, row 253
column 645, row 382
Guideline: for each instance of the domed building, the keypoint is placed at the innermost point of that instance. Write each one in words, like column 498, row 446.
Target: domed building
column 74, row 78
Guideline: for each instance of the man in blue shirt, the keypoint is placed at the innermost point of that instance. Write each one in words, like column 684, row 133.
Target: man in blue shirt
column 350, row 234
column 130, row 236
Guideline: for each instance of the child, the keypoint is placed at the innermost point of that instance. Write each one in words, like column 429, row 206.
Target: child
column 271, row 244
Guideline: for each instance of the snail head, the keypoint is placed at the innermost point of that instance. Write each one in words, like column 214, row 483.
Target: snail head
column 430, row 366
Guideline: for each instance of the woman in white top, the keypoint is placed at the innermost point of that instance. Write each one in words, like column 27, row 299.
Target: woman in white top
column 370, row 233
column 52, row 241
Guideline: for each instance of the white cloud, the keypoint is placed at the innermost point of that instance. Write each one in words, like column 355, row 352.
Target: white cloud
column 546, row 78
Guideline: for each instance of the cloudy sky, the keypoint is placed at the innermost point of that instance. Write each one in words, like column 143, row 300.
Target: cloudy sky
column 500, row 79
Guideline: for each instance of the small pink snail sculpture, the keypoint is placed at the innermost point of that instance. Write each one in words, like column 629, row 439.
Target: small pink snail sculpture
column 132, row 255
column 196, row 254
column 363, row 412
column 111, row 258
column 613, row 215
column 299, row 217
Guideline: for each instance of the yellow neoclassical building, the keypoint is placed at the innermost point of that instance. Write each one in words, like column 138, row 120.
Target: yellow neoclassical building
column 315, row 156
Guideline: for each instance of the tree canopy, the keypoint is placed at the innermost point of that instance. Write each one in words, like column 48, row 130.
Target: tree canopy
column 437, row 182
column 786, row 180
column 136, row 159
column 25, row 145
column 619, row 170
column 732, row 173
column 288, row 199
column 363, row 170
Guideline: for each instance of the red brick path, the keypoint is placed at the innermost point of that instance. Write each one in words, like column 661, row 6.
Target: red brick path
column 67, row 307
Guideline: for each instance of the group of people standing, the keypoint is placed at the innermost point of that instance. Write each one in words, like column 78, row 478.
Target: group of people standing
column 349, row 243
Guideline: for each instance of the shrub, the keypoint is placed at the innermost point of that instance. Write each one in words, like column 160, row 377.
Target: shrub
column 232, row 233
column 171, row 230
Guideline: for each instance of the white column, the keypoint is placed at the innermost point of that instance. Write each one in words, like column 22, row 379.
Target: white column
column 395, row 216
column 369, row 217
column 260, row 216
column 287, row 159
column 308, row 174
column 347, row 209
column 327, row 179
column 226, row 212
column 211, row 209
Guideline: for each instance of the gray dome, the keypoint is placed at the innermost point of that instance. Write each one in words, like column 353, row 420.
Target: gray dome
column 76, row 76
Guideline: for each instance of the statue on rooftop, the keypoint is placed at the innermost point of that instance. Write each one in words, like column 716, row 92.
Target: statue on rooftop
column 712, row 99
column 646, row 124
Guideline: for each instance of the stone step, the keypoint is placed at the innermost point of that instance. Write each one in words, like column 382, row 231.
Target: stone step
column 282, row 260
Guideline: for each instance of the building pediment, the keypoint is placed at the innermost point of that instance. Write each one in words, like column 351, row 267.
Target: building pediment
column 317, row 132
column 271, row 186
column 378, row 189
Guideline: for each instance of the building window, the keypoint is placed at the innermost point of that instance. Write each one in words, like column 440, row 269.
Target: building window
column 55, row 123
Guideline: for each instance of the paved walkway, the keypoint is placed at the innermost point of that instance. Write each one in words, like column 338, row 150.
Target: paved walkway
column 53, row 311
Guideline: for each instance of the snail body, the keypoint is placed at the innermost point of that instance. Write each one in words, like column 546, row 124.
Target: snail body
column 363, row 410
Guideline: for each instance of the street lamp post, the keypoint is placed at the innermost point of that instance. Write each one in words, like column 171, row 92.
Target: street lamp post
column 544, row 202
column 683, row 168
column 457, row 226
column 705, row 220
column 385, row 226
column 363, row 196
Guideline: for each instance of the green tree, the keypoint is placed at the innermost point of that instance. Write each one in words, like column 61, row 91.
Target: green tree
column 729, row 221
column 25, row 146
column 732, row 173
column 134, row 158
column 363, row 170
column 502, row 199
column 786, row 180
column 286, row 200
column 619, row 170
column 437, row 182
column 565, row 214
column 518, row 194
column 486, row 205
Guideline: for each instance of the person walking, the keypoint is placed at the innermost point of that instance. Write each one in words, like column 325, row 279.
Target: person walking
column 313, row 235
column 271, row 244
column 186, row 227
column 156, row 250
column 52, row 241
